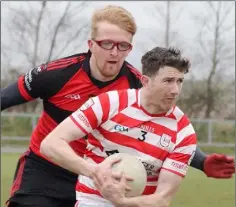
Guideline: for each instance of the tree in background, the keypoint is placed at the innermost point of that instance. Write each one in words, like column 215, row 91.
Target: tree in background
column 211, row 96
column 167, row 14
column 42, row 31
column 39, row 32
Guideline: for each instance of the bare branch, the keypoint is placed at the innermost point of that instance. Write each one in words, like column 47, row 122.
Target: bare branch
column 60, row 22
column 225, row 15
column 77, row 34
column 211, row 5
column 159, row 11
column 38, row 24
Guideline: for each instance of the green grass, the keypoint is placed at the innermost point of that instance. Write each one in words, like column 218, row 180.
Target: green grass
column 196, row 190
column 223, row 150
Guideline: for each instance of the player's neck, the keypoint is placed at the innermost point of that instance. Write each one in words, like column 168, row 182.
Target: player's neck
column 96, row 74
column 147, row 104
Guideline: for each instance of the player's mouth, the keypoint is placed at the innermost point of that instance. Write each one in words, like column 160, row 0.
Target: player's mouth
column 171, row 99
column 112, row 62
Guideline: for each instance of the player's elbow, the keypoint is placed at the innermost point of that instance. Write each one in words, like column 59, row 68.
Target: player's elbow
column 47, row 147
column 161, row 200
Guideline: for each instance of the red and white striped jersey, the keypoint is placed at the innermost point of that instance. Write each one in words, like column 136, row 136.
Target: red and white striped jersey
column 116, row 122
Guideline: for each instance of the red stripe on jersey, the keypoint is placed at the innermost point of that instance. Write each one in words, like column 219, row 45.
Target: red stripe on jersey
column 18, row 178
column 177, row 173
column 78, row 125
column 130, row 122
column 183, row 122
column 22, row 90
column 45, row 125
column 91, row 117
column 61, row 63
column 95, row 142
column 152, row 179
column 143, row 147
column 105, row 104
column 94, row 157
column 180, row 157
column 171, row 116
column 123, row 99
column 123, row 119
column 83, row 188
column 79, row 146
column 191, row 139
column 149, row 190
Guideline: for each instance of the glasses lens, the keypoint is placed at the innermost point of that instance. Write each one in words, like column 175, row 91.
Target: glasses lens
column 124, row 46
column 106, row 44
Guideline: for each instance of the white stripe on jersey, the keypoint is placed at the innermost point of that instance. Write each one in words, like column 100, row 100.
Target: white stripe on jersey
column 97, row 108
column 86, row 181
column 131, row 96
column 123, row 149
column 186, row 149
column 114, row 103
column 82, row 120
column 175, row 166
column 138, row 114
column 178, row 113
column 92, row 200
column 152, row 183
column 135, row 114
column 135, row 133
column 166, row 122
column 183, row 133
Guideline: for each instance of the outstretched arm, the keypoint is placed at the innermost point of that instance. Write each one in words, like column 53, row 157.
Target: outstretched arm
column 198, row 159
column 11, row 96
column 214, row 165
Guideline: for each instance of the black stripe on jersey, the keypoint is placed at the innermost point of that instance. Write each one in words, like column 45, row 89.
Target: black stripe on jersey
column 56, row 113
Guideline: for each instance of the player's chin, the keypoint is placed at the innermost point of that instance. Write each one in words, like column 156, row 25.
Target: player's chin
column 111, row 73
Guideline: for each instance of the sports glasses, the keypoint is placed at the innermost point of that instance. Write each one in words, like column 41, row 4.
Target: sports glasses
column 110, row 44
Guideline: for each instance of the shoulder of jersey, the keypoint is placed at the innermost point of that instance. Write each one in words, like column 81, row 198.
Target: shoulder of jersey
column 134, row 70
column 177, row 113
column 64, row 62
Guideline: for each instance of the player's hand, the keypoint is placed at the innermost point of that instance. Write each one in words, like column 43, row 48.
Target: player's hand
column 219, row 166
column 114, row 190
column 112, row 186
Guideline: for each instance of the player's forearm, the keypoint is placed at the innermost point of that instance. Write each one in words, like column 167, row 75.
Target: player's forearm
column 63, row 155
column 198, row 159
column 153, row 200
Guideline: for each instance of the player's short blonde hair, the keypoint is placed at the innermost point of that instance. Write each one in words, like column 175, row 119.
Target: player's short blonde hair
column 115, row 15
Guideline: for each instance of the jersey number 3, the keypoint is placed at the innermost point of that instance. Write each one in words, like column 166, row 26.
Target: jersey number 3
column 143, row 136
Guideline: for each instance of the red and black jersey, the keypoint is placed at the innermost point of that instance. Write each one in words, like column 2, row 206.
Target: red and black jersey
column 64, row 85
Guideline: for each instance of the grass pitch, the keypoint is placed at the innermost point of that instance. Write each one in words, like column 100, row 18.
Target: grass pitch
column 196, row 190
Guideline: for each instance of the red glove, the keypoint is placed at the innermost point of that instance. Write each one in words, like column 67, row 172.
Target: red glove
column 219, row 166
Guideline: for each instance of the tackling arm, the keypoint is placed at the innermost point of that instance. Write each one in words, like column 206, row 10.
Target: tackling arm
column 198, row 159
column 56, row 147
column 82, row 122
column 214, row 165
column 11, row 96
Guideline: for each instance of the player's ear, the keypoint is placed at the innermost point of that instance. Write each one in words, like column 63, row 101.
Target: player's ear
column 90, row 45
column 145, row 80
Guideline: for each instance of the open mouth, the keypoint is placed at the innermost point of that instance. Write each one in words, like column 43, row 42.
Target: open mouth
column 112, row 62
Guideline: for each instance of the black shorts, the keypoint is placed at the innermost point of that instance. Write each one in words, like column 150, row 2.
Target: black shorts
column 39, row 183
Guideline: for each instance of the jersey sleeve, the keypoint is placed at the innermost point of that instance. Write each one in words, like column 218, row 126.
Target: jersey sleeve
column 40, row 81
column 32, row 84
column 180, row 158
column 11, row 96
column 92, row 113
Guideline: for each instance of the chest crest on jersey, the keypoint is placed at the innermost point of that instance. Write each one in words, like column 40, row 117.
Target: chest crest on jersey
column 165, row 140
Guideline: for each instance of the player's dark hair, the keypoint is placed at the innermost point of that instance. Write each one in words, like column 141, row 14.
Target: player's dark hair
column 159, row 57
